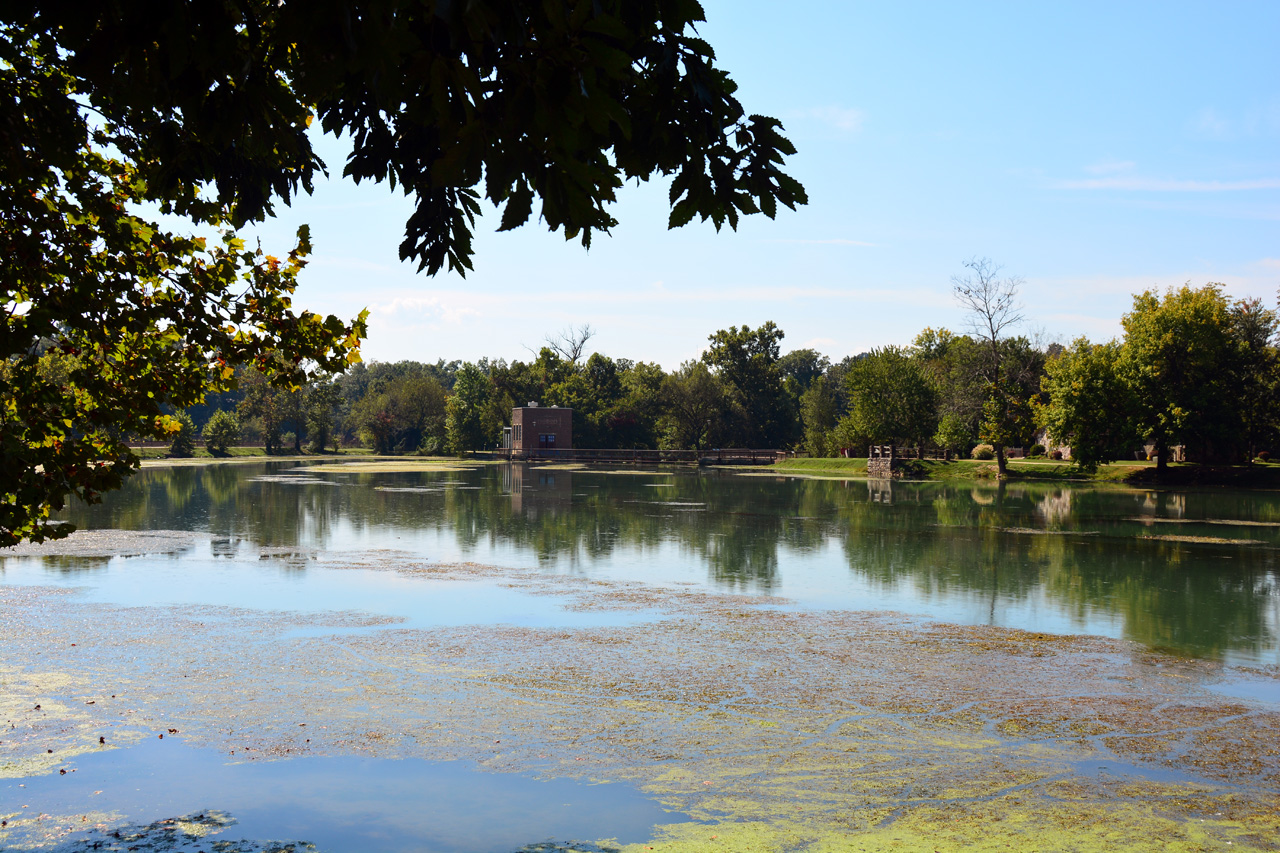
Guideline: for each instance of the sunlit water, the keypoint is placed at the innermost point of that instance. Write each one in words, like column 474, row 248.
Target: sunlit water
column 341, row 803
column 1193, row 572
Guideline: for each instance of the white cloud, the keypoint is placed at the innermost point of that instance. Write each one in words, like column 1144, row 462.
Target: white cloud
column 433, row 307
column 841, row 118
column 1166, row 185
column 1271, row 263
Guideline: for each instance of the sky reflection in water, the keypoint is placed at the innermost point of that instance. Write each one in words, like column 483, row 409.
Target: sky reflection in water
column 340, row 803
column 1193, row 572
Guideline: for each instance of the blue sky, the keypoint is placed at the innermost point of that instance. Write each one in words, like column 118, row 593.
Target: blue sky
column 1095, row 150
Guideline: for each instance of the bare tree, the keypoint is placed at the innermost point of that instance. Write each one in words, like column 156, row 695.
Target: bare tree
column 992, row 302
column 570, row 343
column 993, row 307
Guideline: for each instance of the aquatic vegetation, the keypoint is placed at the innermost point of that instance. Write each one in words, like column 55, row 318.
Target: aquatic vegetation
column 108, row 543
column 48, row 722
column 1205, row 540
column 773, row 729
column 760, row 724
column 1230, row 522
column 389, row 466
column 192, row 833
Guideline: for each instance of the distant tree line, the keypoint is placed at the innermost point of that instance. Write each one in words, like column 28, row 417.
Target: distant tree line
column 1193, row 369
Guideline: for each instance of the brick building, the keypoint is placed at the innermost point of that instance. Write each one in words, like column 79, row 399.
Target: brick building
column 535, row 428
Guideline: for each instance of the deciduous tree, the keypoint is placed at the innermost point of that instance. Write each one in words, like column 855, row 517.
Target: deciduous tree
column 1180, row 360
column 267, row 404
column 819, row 414
column 403, row 415
column 202, row 110
column 747, row 360
column 221, row 431
column 953, row 364
column 992, row 304
column 324, row 399
column 1089, row 406
column 471, row 422
column 695, row 402
column 1258, row 377
column 891, row 398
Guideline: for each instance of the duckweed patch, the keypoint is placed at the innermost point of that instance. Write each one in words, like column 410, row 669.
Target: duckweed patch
column 101, row 544
column 1036, row 531
column 1205, row 540
column 191, row 833
column 774, row 729
column 1228, row 522
column 388, row 466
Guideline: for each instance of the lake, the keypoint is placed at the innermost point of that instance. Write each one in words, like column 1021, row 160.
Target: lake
column 365, row 565
column 1191, row 571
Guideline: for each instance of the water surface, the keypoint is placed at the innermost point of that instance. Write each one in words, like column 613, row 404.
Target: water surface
column 1193, row 572
column 341, row 804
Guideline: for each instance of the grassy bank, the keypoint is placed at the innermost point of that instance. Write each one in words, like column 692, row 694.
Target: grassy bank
column 201, row 453
column 959, row 469
column 1135, row 473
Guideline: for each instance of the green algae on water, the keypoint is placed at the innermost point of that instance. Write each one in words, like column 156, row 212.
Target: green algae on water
column 772, row 729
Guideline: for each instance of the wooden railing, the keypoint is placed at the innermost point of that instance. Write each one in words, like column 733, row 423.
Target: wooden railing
column 891, row 451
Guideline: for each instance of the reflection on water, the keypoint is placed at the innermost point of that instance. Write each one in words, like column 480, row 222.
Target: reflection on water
column 1191, row 571
column 337, row 804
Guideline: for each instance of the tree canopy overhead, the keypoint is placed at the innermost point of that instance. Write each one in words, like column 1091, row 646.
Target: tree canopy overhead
column 202, row 110
column 509, row 100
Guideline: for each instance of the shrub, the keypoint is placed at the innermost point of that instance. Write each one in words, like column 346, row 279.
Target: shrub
column 289, row 441
column 1057, row 456
column 317, row 442
column 983, row 451
column 184, row 440
column 1264, row 456
column 222, row 431
column 1037, row 450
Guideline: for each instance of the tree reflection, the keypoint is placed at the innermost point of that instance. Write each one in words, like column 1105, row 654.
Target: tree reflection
column 1092, row 552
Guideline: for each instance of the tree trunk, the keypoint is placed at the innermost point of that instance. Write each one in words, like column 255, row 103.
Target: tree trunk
column 1001, row 464
column 1162, row 462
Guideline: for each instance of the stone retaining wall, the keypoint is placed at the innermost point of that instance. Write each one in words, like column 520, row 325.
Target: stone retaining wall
column 882, row 460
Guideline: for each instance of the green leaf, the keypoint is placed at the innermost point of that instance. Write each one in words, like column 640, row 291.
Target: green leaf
column 519, row 208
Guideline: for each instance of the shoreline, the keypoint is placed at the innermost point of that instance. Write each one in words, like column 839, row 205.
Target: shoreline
column 1132, row 474
column 1260, row 476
